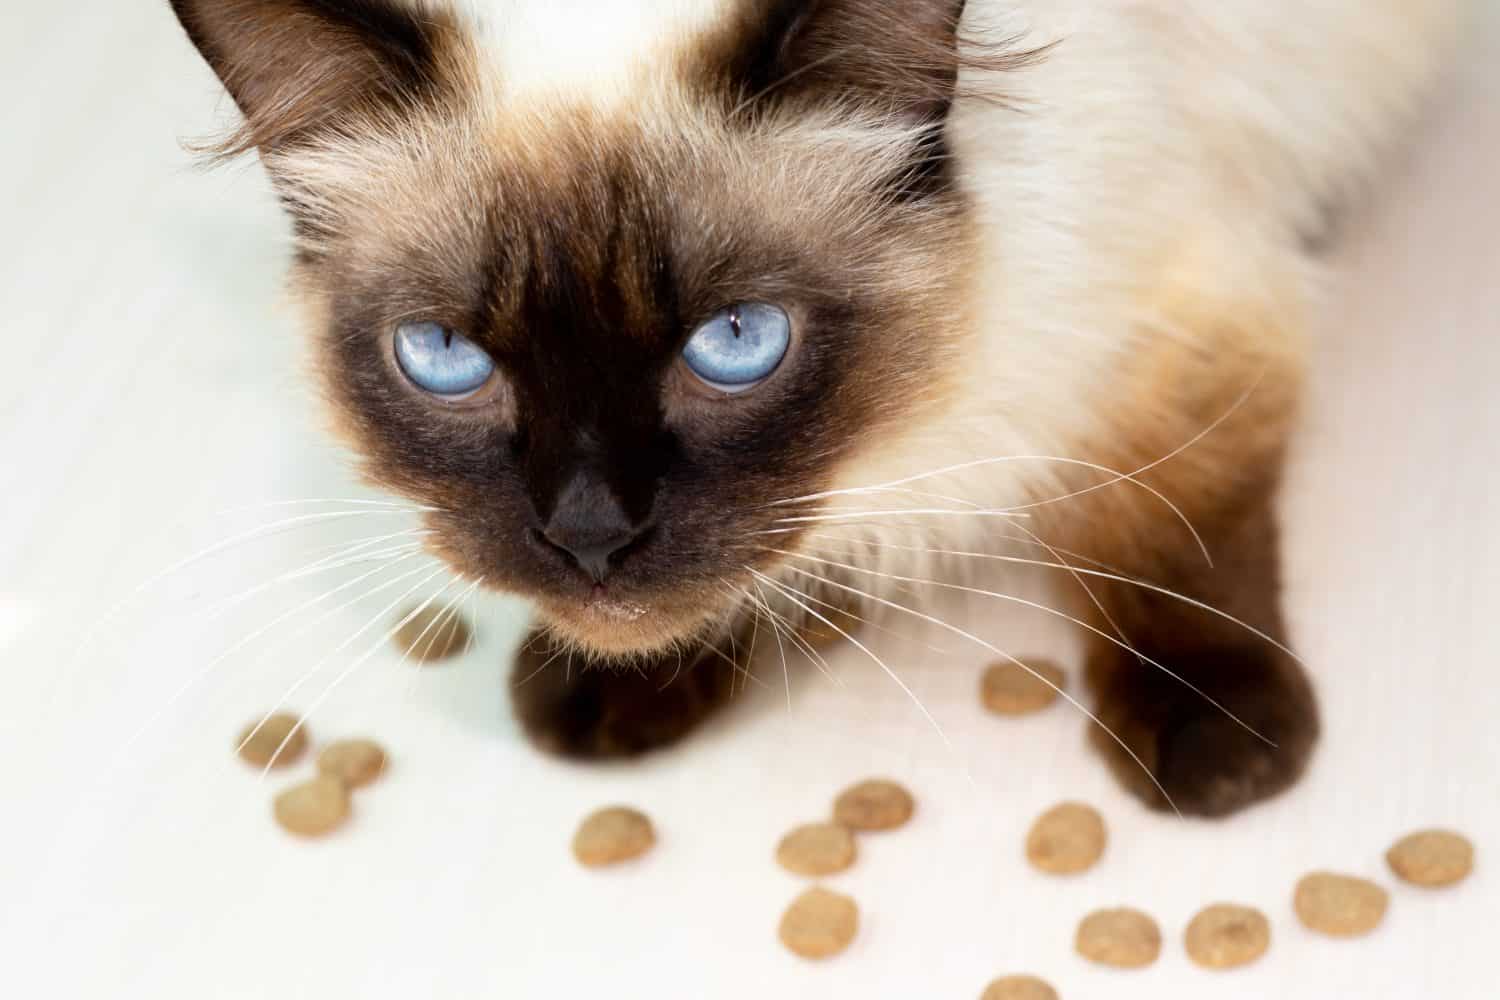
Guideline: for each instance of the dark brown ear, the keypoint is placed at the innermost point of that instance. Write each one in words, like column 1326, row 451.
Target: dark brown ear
column 297, row 66
column 896, row 58
column 900, row 55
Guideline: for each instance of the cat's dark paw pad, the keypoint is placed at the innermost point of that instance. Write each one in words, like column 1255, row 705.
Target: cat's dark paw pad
column 1204, row 762
column 1211, row 766
column 604, row 712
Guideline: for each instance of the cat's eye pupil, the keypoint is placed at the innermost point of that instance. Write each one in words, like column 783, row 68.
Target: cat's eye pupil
column 442, row 361
column 739, row 347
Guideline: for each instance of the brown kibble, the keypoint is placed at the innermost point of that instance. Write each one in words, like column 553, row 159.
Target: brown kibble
column 314, row 807
column 1008, row 689
column 1123, row 938
column 277, row 741
column 816, row 849
column 1225, row 936
column 819, row 924
column 356, row 763
column 1019, row 988
column 873, row 805
column 1340, row 905
column 1066, row 839
column 1432, row 858
column 430, row 635
column 611, row 836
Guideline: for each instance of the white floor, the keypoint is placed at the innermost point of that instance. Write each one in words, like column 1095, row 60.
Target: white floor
column 151, row 381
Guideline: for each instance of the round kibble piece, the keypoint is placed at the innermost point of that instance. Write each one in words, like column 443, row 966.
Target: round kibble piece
column 1340, row 905
column 819, row 924
column 816, row 849
column 873, row 805
column 1432, row 859
column 1066, row 839
column 1019, row 988
column 1225, row 936
column 429, row 635
column 1124, row 938
column 1008, row 689
column 611, row 836
column 354, row 762
column 277, row 741
column 314, row 807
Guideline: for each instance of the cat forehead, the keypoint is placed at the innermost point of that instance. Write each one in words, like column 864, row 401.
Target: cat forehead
column 596, row 48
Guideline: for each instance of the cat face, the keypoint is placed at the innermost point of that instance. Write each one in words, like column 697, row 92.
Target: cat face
column 613, row 347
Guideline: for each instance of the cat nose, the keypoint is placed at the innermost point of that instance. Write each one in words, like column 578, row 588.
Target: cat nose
column 591, row 527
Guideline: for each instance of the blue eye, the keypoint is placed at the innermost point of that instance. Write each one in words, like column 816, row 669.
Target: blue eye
column 444, row 363
column 739, row 348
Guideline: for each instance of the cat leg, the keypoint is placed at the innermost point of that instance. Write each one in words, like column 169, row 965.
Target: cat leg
column 1208, row 424
column 598, row 711
column 1203, row 758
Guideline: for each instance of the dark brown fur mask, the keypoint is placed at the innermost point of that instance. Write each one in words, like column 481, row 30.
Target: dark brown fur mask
column 792, row 156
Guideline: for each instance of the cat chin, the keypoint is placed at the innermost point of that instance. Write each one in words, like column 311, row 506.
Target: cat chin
column 623, row 629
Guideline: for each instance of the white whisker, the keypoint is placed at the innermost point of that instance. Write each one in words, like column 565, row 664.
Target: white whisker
column 791, row 594
column 202, row 672
column 1051, row 611
column 1099, row 574
column 1008, row 657
column 340, row 648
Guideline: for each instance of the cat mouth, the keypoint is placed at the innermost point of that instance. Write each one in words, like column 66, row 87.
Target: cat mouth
column 614, row 625
column 605, row 606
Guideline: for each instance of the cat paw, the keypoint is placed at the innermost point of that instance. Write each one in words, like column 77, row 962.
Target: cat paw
column 1203, row 762
column 605, row 711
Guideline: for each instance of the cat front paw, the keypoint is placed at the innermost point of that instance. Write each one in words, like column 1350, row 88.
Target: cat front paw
column 1192, row 755
column 610, row 711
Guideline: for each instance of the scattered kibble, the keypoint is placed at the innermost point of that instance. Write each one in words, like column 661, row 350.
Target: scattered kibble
column 1123, row 938
column 1009, row 689
column 356, row 763
column 819, row 924
column 1339, row 905
column 611, row 836
column 1066, row 839
column 1432, row 858
column 873, row 805
column 1225, row 936
column 430, row 635
column 816, row 849
column 313, row 808
column 276, row 741
column 1019, row 988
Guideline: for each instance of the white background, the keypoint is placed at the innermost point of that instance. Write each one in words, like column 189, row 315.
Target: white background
column 151, row 380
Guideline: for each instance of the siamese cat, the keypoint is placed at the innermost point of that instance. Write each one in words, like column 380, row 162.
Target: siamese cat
column 676, row 313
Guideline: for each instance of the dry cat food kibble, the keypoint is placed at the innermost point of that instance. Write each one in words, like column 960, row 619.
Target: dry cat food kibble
column 1225, row 936
column 873, row 805
column 1009, row 689
column 356, row 763
column 429, row 635
column 816, row 849
column 1340, row 905
column 1019, row 988
column 1432, row 859
column 277, row 741
column 1123, row 938
column 313, row 808
column 1067, row 839
column 819, row 924
column 611, row 836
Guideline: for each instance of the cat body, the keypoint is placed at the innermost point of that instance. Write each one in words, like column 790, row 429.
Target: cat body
column 1039, row 275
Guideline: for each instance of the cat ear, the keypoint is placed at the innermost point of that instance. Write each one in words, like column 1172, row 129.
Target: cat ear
column 297, row 66
column 898, row 57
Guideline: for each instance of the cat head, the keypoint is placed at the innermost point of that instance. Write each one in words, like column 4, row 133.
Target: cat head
column 614, row 336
